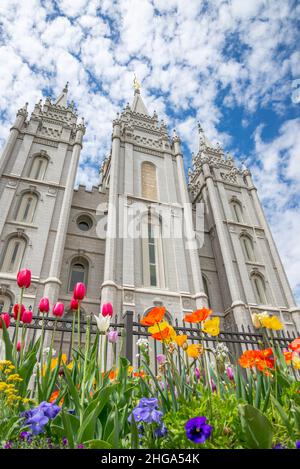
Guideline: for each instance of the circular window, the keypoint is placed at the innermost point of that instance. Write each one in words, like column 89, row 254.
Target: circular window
column 84, row 223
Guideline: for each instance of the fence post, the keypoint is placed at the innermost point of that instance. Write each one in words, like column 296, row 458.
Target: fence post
column 128, row 326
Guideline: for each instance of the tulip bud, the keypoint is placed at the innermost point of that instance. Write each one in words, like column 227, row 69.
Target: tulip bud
column 107, row 309
column 58, row 310
column 6, row 318
column 197, row 373
column 19, row 346
column 102, row 323
column 15, row 311
column 44, row 305
column 24, row 278
column 213, row 385
column 229, row 373
column 73, row 304
column 112, row 337
column 27, row 317
column 79, row 291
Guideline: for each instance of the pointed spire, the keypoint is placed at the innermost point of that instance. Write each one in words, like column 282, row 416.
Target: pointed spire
column 62, row 98
column 138, row 104
column 203, row 140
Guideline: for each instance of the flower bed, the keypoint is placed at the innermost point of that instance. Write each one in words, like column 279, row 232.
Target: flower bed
column 48, row 402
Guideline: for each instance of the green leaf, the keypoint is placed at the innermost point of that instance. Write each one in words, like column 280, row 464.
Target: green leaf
column 284, row 417
column 91, row 414
column 73, row 391
column 257, row 429
column 67, row 427
column 7, row 342
column 134, row 435
column 97, row 444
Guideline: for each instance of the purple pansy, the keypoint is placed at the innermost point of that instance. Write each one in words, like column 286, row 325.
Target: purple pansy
column 197, row 430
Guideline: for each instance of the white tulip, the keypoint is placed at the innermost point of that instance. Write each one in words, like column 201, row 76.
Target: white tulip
column 103, row 323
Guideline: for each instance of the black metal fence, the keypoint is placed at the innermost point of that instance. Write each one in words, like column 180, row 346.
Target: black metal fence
column 130, row 330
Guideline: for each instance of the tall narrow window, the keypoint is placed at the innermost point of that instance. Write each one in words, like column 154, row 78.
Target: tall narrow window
column 152, row 248
column 38, row 167
column 259, row 289
column 248, row 248
column 237, row 211
column 152, row 256
column 206, row 291
column 27, row 207
column 78, row 272
column 13, row 255
column 149, row 184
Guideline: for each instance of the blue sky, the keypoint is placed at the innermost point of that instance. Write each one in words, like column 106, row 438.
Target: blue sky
column 233, row 65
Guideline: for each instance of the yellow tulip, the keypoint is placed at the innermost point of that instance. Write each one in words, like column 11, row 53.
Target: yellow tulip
column 212, row 326
column 271, row 322
column 194, row 350
column 180, row 339
column 296, row 362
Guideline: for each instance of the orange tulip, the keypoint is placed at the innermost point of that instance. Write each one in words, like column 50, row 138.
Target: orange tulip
column 154, row 316
column 198, row 316
column 288, row 357
column 295, row 345
column 162, row 335
column 194, row 350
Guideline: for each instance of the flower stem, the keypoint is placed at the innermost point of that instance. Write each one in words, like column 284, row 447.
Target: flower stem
column 18, row 323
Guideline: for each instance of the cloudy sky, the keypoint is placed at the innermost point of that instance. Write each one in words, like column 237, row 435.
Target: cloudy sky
column 234, row 65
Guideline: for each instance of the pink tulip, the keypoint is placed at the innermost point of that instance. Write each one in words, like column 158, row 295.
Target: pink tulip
column 16, row 310
column 27, row 317
column 112, row 336
column 58, row 310
column 19, row 346
column 44, row 305
column 73, row 304
column 79, row 291
column 229, row 373
column 24, row 278
column 197, row 373
column 213, row 385
column 107, row 309
column 6, row 318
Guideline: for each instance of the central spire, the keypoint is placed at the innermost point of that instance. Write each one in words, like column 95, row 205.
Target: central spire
column 138, row 104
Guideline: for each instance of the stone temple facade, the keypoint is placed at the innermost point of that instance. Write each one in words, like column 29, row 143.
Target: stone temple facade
column 143, row 236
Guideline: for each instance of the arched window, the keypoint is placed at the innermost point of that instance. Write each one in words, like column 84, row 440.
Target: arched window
column 38, row 167
column 149, row 184
column 27, row 207
column 153, row 265
column 14, row 254
column 78, row 272
column 248, row 248
column 5, row 303
column 206, row 290
column 259, row 289
column 237, row 211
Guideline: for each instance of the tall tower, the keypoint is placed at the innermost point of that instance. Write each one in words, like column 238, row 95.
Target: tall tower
column 245, row 259
column 145, row 264
column 37, row 175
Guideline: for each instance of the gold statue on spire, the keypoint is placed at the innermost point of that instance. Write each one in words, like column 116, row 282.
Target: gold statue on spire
column 136, row 84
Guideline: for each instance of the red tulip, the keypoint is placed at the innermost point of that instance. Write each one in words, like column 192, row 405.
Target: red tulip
column 44, row 305
column 16, row 310
column 24, row 278
column 19, row 346
column 107, row 309
column 27, row 317
column 79, row 291
column 73, row 304
column 6, row 318
column 58, row 310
